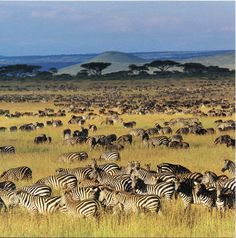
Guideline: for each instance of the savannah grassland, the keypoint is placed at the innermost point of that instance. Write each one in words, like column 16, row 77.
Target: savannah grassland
column 42, row 159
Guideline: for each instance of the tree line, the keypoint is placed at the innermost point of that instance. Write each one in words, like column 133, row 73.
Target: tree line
column 94, row 70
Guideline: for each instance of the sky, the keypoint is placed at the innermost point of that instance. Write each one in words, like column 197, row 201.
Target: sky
column 44, row 28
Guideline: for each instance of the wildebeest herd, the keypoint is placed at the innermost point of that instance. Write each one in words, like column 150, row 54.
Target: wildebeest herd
column 99, row 186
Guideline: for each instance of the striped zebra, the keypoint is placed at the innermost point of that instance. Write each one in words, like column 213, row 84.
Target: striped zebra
column 122, row 183
column 162, row 189
column 85, row 208
column 82, row 193
column 143, row 174
column 225, row 198
column 137, row 132
column 7, row 185
column 7, row 149
column 37, row 204
column 211, row 180
column 123, row 170
column 112, row 155
column 88, row 183
column 73, row 156
column 155, row 141
column 109, row 168
column 130, row 202
column 173, row 168
column 37, row 190
column 64, row 181
column 207, row 196
column 8, row 199
column 192, row 193
column 195, row 176
column 79, row 173
column 16, row 174
column 230, row 166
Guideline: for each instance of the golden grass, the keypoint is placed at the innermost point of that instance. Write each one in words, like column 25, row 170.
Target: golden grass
column 201, row 156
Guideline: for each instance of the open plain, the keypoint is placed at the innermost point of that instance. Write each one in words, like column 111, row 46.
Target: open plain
column 109, row 105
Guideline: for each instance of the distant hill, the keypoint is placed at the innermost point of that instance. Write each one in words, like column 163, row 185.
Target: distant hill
column 225, row 60
column 222, row 58
column 119, row 61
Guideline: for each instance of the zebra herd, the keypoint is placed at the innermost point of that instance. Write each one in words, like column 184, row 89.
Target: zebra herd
column 97, row 188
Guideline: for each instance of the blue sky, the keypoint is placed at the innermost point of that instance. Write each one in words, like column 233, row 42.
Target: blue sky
column 41, row 28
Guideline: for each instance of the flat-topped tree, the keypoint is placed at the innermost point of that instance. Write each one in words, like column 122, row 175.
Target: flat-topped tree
column 95, row 68
column 137, row 69
column 163, row 65
column 194, row 68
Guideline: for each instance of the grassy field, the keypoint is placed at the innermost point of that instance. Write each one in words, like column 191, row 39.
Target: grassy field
column 43, row 160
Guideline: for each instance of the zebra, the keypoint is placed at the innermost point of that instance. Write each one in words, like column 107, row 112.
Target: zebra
column 195, row 193
column 37, row 204
column 112, row 155
column 131, row 202
column 64, row 181
column 122, row 183
column 122, row 170
column 125, row 139
column 8, row 199
column 155, row 141
column 82, row 193
column 79, row 173
column 137, row 132
column 178, row 145
column 85, row 208
column 91, row 141
column 206, row 195
column 37, row 190
column 15, row 174
column 87, row 183
column 224, row 139
column 7, row 185
column 73, row 156
column 93, row 128
column 173, row 168
column 67, row 133
column 109, row 168
column 7, row 149
column 143, row 174
column 230, row 166
column 162, row 189
column 225, row 198
column 177, row 138
column 211, row 180
column 195, row 176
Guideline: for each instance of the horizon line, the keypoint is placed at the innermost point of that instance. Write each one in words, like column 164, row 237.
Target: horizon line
column 135, row 52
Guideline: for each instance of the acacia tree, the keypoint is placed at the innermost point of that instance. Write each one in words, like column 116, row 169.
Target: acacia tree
column 194, row 68
column 95, row 68
column 135, row 69
column 163, row 65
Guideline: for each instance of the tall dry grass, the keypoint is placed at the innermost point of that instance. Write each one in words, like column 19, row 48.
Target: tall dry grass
column 203, row 155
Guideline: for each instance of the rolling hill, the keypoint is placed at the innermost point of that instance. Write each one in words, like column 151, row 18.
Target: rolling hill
column 119, row 61
column 225, row 60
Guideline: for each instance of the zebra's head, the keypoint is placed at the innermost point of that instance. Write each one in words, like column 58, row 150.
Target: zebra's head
column 227, row 164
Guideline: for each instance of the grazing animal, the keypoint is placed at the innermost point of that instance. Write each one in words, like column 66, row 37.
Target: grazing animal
column 230, row 166
column 85, row 208
column 64, row 181
column 7, row 185
column 7, row 149
column 16, row 174
column 73, row 156
column 112, row 155
column 38, row 204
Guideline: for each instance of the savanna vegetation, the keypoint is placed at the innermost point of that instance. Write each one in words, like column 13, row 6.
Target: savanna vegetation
column 202, row 155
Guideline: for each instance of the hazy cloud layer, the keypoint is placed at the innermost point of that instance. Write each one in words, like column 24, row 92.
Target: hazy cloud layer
column 28, row 28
